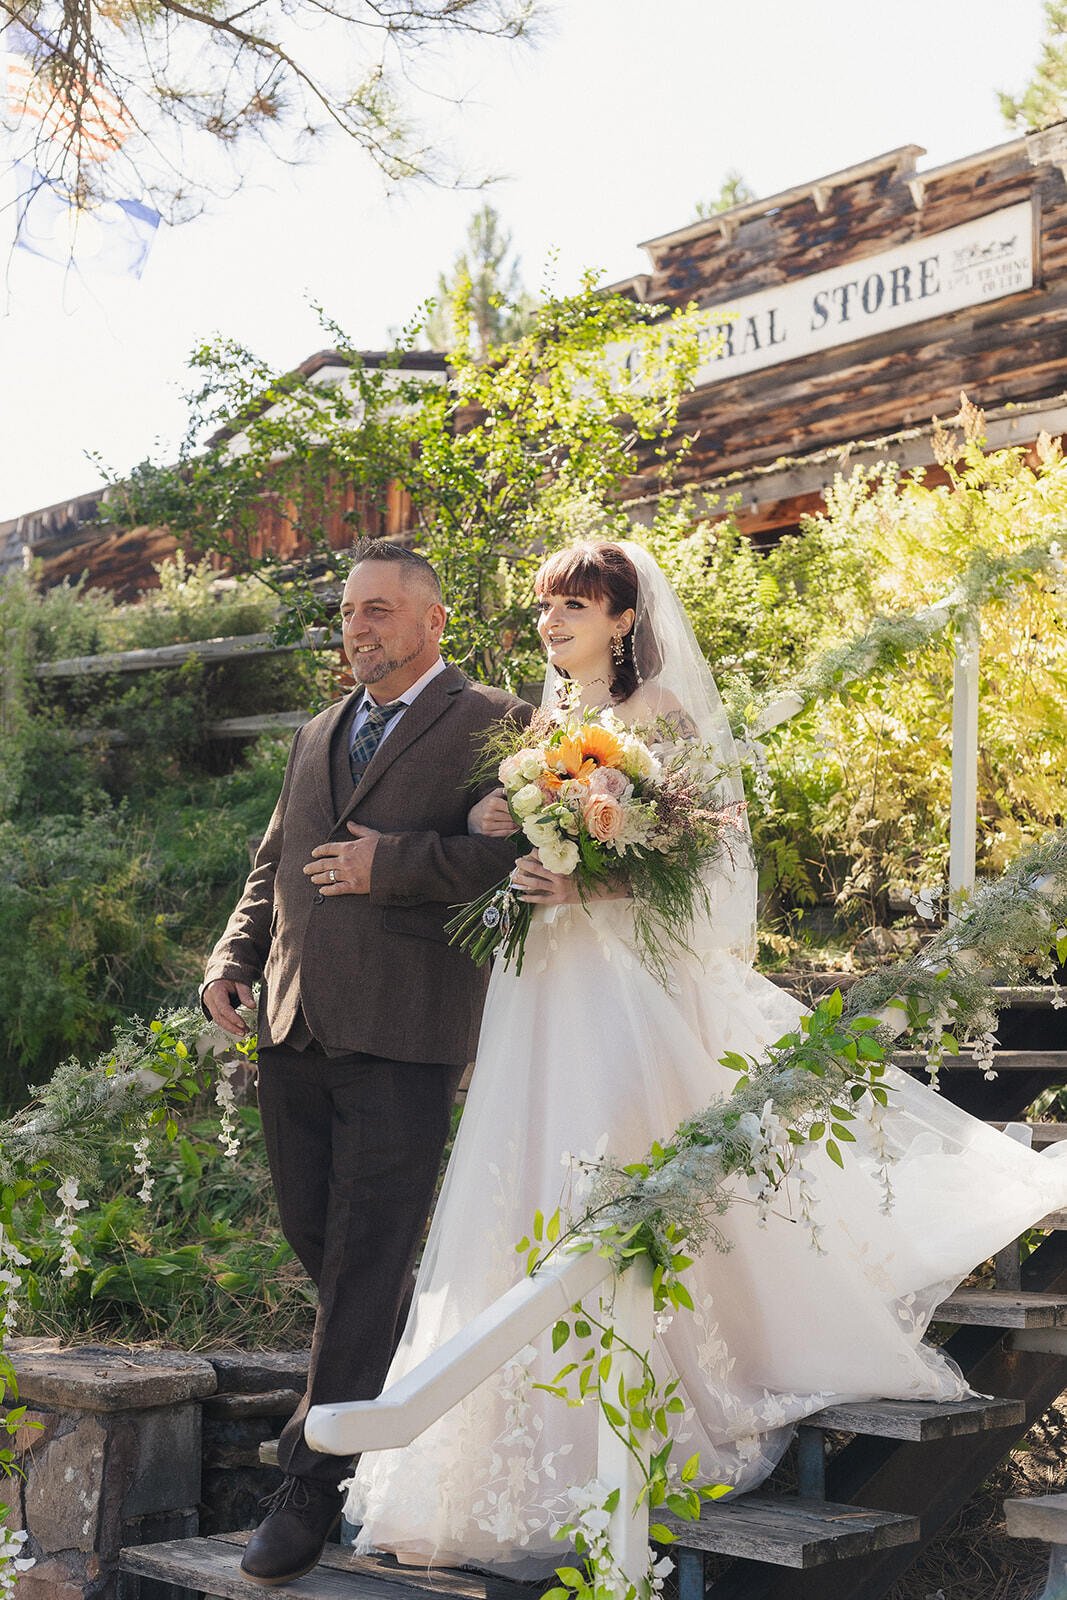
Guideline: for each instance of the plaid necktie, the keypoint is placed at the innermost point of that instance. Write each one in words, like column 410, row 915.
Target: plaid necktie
column 369, row 736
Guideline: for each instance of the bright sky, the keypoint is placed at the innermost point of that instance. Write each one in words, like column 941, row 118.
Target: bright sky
column 608, row 132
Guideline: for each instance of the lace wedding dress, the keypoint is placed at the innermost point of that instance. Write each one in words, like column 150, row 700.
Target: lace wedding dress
column 587, row 1054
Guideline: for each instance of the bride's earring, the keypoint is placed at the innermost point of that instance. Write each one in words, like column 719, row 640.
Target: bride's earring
column 618, row 650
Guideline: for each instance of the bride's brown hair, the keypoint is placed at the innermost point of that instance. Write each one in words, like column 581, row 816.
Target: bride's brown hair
column 596, row 569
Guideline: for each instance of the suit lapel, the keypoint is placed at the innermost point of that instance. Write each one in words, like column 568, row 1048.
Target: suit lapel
column 319, row 738
column 431, row 704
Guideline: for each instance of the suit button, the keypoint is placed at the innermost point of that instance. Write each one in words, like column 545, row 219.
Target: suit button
column 320, row 899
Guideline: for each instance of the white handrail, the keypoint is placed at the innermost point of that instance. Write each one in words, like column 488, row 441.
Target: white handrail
column 963, row 813
column 454, row 1370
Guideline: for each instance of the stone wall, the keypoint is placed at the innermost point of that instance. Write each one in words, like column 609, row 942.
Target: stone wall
column 131, row 1446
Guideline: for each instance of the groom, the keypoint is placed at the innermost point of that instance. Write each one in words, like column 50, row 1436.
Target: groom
column 367, row 1016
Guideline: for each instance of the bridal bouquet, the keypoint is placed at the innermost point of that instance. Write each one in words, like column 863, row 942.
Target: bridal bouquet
column 598, row 804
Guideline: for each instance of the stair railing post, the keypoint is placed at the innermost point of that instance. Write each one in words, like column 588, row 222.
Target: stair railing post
column 963, row 827
column 629, row 1310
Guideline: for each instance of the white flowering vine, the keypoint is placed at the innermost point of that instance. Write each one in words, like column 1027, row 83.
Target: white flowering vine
column 11, row 1258
column 12, row 1562
column 142, row 1167
column 226, row 1101
column 67, row 1224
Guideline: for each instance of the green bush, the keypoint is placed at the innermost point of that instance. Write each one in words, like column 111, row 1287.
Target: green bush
column 112, row 911
column 201, row 1263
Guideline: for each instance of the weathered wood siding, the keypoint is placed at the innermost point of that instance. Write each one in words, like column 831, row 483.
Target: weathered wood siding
column 1007, row 351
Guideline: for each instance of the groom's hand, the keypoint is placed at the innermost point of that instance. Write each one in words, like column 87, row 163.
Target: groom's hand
column 344, row 867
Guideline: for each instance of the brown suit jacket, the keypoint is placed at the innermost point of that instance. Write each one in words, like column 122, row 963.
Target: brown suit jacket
column 375, row 973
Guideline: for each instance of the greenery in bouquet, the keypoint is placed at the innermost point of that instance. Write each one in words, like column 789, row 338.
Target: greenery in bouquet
column 612, row 809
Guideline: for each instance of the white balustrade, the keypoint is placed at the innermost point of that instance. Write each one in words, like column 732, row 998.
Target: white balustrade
column 963, row 816
column 409, row 1406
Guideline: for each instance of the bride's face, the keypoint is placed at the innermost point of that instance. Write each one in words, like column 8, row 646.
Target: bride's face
column 577, row 634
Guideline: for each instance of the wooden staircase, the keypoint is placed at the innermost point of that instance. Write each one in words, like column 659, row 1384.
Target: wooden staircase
column 872, row 1483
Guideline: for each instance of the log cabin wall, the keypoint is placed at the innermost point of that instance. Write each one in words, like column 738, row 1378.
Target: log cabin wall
column 770, row 437
column 68, row 541
column 1005, row 352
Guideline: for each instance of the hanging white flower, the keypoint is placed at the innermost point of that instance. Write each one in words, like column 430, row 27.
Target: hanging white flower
column 226, row 1100
column 67, row 1224
column 141, row 1168
column 12, row 1563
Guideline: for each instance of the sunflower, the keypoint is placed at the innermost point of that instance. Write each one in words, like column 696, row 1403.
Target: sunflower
column 579, row 755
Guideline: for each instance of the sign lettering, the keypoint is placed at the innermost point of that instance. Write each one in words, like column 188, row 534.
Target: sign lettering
column 930, row 277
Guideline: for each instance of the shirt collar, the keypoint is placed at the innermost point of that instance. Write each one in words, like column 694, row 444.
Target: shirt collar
column 410, row 694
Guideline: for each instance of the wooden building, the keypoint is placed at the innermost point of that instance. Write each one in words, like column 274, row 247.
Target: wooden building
column 68, row 539
column 855, row 309
column 864, row 303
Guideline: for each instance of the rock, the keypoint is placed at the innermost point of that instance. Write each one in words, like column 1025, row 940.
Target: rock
column 156, row 1455
column 63, row 1491
column 108, row 1377
column 271, row 1403
column 252, row 1371
column 51, row 1580
column 34, row 1432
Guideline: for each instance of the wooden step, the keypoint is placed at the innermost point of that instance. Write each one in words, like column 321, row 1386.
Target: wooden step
column 789, row 1532
column 386, row 1570
column 212, row 1567
column 1053, row 1062
column 268, row 1453
column 1039, row 1516
column 918, row 1420
column 1041, row 1341
column 1003, row 1308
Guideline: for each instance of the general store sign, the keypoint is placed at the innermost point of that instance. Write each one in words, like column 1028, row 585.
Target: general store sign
column 944, row 272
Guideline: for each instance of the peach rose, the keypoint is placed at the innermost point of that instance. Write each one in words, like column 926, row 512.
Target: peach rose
column 604, row 818
column 609, row 780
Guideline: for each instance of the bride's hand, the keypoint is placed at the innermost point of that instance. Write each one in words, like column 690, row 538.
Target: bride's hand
column 539, row 887
column 491, row 817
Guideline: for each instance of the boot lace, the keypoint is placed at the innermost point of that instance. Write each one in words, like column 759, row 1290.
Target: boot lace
column 291, row 1494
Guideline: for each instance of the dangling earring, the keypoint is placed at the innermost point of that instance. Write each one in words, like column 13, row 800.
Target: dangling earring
column 618, row 650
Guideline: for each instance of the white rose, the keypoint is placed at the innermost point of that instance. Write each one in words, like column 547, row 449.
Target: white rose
column 508, row 771
column 531, row 764
column 541, row 834
column 561, row 857
column 527, row 800
column 638, row 761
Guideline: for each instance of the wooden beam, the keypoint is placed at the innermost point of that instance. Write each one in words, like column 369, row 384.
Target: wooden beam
column 175, row 655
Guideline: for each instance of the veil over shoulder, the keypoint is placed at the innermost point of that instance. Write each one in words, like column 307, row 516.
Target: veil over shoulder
column 587, row 1053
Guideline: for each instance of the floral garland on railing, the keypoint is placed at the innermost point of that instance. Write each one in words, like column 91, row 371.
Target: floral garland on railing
column 132, row 1088
column 801, row 1094
column 887, row 642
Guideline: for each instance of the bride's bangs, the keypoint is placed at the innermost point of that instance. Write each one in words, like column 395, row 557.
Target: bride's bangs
column 592, row 571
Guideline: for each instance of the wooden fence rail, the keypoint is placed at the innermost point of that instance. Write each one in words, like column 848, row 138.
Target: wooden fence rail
column 175, row 655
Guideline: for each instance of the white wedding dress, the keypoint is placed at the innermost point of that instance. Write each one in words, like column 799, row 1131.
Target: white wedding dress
column 585, row 1053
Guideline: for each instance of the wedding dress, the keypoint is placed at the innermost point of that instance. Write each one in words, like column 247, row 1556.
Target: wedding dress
column 587, row 1054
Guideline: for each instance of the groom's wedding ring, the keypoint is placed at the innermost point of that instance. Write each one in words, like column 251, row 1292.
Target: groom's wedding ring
column 333, row 875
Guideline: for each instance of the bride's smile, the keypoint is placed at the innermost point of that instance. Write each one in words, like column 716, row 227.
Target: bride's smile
column 577, row 632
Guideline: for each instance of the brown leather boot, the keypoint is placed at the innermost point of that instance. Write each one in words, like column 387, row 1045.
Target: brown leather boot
column 301, row 1515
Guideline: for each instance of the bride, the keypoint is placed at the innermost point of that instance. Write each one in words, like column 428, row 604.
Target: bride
column 587, row 1054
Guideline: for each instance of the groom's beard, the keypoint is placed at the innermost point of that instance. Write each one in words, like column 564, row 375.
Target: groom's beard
column 367, row 672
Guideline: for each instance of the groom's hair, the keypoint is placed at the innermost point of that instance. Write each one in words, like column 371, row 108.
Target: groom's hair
column 413, row 567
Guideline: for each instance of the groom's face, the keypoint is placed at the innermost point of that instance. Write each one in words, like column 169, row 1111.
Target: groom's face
column 392, row 624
